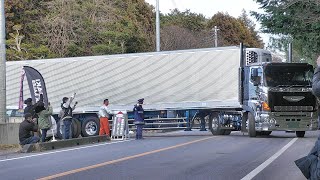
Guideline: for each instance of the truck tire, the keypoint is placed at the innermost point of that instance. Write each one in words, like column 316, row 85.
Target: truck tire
column 76, row 128
column 252, row 125
column 266, row 133
column 90, row 127
column 300, row 133
column 214, row 125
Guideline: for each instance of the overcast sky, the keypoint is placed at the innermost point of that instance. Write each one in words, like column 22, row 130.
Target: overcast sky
column 211, row 7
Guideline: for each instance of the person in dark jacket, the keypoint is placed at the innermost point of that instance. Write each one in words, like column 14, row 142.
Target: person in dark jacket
column 30, row 108
column 139, row 118
column 316, row 80
column 26, row 128
column 316, row 86
column 67, row 114
column 309, row 164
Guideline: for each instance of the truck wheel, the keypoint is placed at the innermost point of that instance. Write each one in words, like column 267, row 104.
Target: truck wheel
column 90, row 127
column 76, row 128
column 227, row 132
column 266, row 133
column 214, row 125
column 300, row 133
column 252, row 125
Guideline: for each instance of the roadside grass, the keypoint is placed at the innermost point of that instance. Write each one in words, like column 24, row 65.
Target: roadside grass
column 9, row 147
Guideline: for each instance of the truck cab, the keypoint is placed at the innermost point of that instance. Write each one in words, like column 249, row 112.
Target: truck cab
column 278, row 97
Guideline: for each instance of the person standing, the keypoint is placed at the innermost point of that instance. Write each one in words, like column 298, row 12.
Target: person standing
column 67, row 115
column 308, row 165
column 139, row 118
column 44, row 119
column 27, row 127
column 316, row 80
column 104, row 116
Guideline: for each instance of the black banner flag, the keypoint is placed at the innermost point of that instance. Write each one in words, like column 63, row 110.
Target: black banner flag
column 36, row 85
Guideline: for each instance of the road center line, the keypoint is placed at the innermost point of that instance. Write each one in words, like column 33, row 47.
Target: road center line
column 120, row 160
column 257, row 170
column 65, row 150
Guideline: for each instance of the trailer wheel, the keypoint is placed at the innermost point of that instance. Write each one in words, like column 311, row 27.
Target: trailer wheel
column 90, row 127
column 214, row 125
column 252, row 125
column 300, row 133
column 76, row 128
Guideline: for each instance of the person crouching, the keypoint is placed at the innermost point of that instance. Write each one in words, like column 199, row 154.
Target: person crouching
column 26, row 128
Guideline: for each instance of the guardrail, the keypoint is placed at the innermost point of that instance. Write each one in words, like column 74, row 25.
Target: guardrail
column 159, row 123
column 167, row 123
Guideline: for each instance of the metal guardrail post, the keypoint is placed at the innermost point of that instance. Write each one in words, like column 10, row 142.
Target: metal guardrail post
column 188, row 121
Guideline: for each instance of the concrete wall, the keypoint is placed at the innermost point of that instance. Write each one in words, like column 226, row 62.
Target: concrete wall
column 9, row 133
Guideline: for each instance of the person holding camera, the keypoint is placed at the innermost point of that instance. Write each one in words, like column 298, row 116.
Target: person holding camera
column 27, row 127
column 67, row 114
column 44, row 119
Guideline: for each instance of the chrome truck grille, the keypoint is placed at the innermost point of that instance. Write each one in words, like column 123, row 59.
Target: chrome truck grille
column 292, row 101
column 293, row 108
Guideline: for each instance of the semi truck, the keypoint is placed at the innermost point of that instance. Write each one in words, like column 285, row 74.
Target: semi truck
column 227, row 88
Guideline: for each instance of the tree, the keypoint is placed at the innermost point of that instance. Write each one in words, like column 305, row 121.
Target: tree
column 98, row 27
column 23, row 30
column 17, row 50
column 233, row 31
column 184, row 30
column 186, row 19
column 296, row 21
column 254, row 36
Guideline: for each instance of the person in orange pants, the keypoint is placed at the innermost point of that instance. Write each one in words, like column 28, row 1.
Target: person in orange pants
column 104, row 115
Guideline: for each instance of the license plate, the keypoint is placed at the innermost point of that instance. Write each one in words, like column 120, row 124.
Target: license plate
column 293, row 124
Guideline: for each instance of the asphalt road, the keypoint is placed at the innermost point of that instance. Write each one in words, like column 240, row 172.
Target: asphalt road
column 180, row 155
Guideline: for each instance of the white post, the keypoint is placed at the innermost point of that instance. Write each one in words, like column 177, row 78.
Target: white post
column 53, row 138
column 157, row 26
column 216, row 36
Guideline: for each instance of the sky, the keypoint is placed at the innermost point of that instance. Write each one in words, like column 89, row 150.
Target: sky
column 210, row 7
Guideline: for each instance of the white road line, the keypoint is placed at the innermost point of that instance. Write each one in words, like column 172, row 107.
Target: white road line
column 65, row 150
column 257, row 170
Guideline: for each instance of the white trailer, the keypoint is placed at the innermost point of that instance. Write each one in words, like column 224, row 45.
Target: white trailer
column 215, row 82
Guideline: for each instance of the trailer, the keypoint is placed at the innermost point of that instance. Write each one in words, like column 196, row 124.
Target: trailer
column 225, row 87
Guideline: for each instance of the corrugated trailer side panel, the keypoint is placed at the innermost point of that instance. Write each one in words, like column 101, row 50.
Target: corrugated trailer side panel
column 202, row 75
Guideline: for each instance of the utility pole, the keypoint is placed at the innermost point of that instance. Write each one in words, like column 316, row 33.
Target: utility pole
column 157, row 26
column 2, row 65
column 3, row 125
column 290, row 53
column 215, row 36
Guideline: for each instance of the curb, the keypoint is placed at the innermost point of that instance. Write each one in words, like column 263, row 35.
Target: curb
column 39, row 147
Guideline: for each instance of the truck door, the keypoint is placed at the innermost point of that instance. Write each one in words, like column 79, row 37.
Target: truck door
column 252, row 79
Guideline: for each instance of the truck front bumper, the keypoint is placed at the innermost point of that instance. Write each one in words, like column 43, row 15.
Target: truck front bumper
column 287, row 121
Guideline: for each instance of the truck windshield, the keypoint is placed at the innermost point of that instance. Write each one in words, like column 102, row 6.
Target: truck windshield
column 277, row 76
